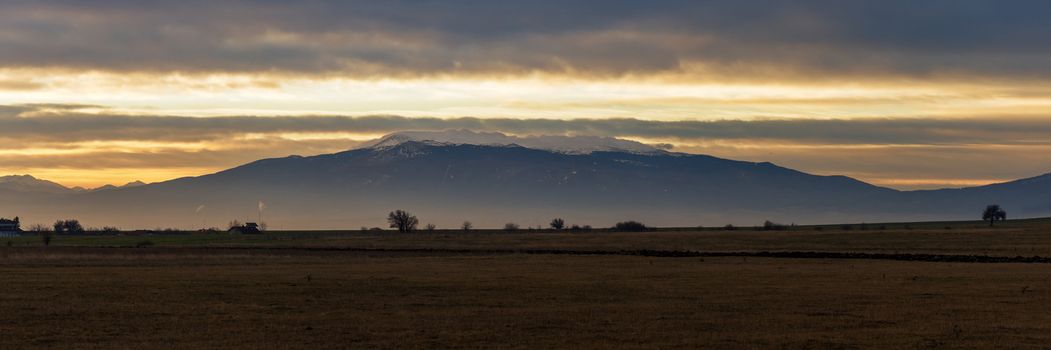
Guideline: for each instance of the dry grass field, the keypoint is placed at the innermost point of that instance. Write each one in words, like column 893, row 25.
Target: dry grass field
column 222, row 292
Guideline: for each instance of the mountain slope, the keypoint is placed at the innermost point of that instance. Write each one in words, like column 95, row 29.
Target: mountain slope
column 488, row 185
column 1023, row 198
column 447, row 182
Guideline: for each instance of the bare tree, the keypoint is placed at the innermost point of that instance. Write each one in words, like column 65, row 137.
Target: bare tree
column 402, row 220
column 431, row 227
column 45, row 237
column 558, row 223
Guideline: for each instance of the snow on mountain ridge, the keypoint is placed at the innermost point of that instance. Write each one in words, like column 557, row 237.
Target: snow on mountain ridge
column 560, row 144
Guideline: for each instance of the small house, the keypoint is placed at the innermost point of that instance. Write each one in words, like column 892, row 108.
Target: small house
column 10, row 228
column 249, row 228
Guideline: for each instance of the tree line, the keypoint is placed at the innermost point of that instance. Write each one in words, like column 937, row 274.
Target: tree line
column 404, row 221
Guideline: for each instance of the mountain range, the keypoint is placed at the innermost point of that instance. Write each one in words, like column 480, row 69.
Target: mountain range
column 491, row 179
column 29, row 184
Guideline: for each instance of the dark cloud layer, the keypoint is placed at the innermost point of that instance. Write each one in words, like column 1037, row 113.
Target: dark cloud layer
column 368, row 38
column 29, row 123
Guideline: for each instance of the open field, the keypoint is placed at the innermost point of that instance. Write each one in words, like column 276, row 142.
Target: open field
column 1014, row 238
column 450, row 289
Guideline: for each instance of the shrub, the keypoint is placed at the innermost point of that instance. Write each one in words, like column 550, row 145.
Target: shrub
column 578, row 228
column 144, row 244
column 729, row 227
column 70, row 226
column 108, row 230
column 630, row 226
column 510, row 227
column 772, row 226
column 45, row 236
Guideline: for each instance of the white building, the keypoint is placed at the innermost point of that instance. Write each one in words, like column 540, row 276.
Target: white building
column 10, row 228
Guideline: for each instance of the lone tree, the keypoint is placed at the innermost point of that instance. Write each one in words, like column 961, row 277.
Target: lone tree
column 402, row 220
column 993, row 213
column 558, row 223
column 467, row 226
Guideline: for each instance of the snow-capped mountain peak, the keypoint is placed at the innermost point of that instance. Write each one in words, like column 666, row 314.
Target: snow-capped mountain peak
column 561, row 144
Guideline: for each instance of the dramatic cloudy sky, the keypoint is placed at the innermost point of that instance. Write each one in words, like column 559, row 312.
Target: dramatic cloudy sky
column 907, row 94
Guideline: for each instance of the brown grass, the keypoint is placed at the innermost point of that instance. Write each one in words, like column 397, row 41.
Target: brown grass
column 107, row 298
column 981, row 241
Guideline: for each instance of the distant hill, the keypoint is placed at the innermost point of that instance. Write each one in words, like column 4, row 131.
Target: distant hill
column 29, row 185
column 446, row 178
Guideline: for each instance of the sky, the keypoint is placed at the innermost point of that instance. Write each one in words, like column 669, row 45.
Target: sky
column 904, row 94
